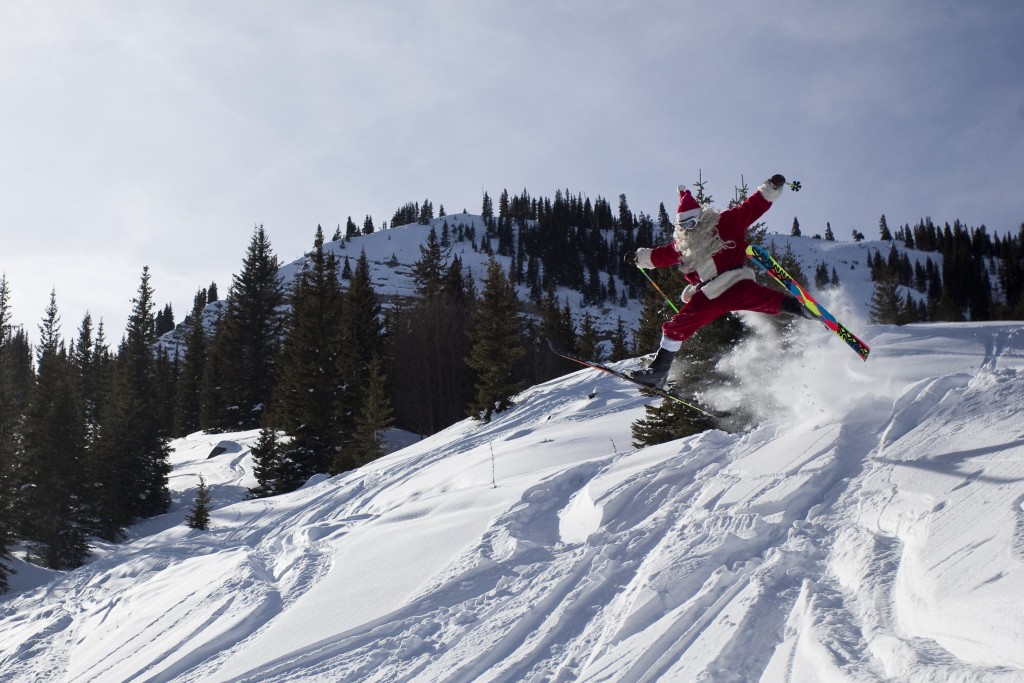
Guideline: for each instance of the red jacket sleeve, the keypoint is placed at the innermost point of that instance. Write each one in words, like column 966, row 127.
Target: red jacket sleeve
column 733, row 223
column 665, row 255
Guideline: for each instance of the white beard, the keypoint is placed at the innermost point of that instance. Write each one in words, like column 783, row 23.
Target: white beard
column 698, row 245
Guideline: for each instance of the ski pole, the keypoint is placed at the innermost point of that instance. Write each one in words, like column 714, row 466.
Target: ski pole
column 655, row 285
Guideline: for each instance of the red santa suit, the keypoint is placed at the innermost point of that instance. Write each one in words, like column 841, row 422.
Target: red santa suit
column 713, row 257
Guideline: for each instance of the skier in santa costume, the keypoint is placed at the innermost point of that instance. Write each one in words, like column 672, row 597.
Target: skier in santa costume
column 710, row 248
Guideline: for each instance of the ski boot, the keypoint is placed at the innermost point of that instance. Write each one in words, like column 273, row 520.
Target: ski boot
column 655, row 374
column 792, row 306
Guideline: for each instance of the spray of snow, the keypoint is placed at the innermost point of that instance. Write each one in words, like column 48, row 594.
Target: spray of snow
column 794, row 371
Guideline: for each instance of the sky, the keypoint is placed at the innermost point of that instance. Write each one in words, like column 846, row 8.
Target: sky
column 160, row 134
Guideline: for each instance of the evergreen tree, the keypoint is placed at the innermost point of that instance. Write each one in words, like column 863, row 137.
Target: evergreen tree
column 20, row 361
column 487, row 210
column 164, row 320
column 821, row 276
column 667, row 421
column 308, row 394
column 910, row 312
column 242, row 363
column 947, row 308
column 406, row 215
column 883, row 230
column 1011, row 273
column 431, row 335
column 587, row 343
column 789, row 261
column 829, row 236
column 557, row 328
column 740, row 193
column 663, row 221
column 199, row 514
column 164, row 386
column 351, row 229
column 426, row 212
column 620, row 342
column 188, row 408
column 268, row 466
column 701, row 195
column 52, row 472
column 131, row 449
column 697, row 360
column 428, row 271
column 887, row 305
column 83, row 357
column 375, row 416
column 217, row 412
column 877, row 265
column 92, row 362
column 5, row 308
column 9, row 437
column 626, row 219
column 363, row 339
column 495, row 345
column 795, row 231
column 908, row 237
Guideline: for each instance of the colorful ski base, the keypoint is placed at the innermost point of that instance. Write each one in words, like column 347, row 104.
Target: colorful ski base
column 717, row 414
column 762, row 258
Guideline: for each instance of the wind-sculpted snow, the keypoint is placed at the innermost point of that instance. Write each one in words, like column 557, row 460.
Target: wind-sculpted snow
column 870, row 528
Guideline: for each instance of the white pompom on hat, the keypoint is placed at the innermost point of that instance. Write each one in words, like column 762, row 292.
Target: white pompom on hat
column 688, row 206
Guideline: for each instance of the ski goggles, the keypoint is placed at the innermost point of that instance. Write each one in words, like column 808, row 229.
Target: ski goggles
column 688, row 224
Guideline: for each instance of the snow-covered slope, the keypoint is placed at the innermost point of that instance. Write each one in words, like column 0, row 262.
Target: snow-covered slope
column 872, row 528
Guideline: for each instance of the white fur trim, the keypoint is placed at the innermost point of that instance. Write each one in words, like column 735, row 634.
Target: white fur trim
column 672, row 345
column 716, row 287
column 769, row 191
column 643, row 258
column 707, row 269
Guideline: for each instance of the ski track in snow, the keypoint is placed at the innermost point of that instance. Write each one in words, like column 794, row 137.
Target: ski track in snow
column 872, row 529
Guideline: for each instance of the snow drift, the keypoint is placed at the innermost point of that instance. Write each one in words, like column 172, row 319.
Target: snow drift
column 872, row 527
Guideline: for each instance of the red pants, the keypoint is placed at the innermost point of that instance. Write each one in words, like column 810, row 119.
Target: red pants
column 745, row 295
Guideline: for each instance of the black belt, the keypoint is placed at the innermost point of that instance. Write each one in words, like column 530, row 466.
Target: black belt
column 704, row 283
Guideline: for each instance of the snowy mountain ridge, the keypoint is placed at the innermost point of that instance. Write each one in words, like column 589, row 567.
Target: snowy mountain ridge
column 871, row 527
column 392, row 253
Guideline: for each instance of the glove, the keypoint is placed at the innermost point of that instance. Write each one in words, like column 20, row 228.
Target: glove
column 771, row 189
column 630, row 257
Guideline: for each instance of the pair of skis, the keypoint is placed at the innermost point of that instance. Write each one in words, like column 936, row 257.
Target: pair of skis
column 657, row 391
column 762, row 258
column 765, row 261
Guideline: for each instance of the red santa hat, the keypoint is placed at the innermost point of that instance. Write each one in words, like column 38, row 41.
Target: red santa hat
column 688, row 206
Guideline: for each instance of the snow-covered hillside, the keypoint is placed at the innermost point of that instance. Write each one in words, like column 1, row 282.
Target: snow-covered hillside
column 871, row 528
